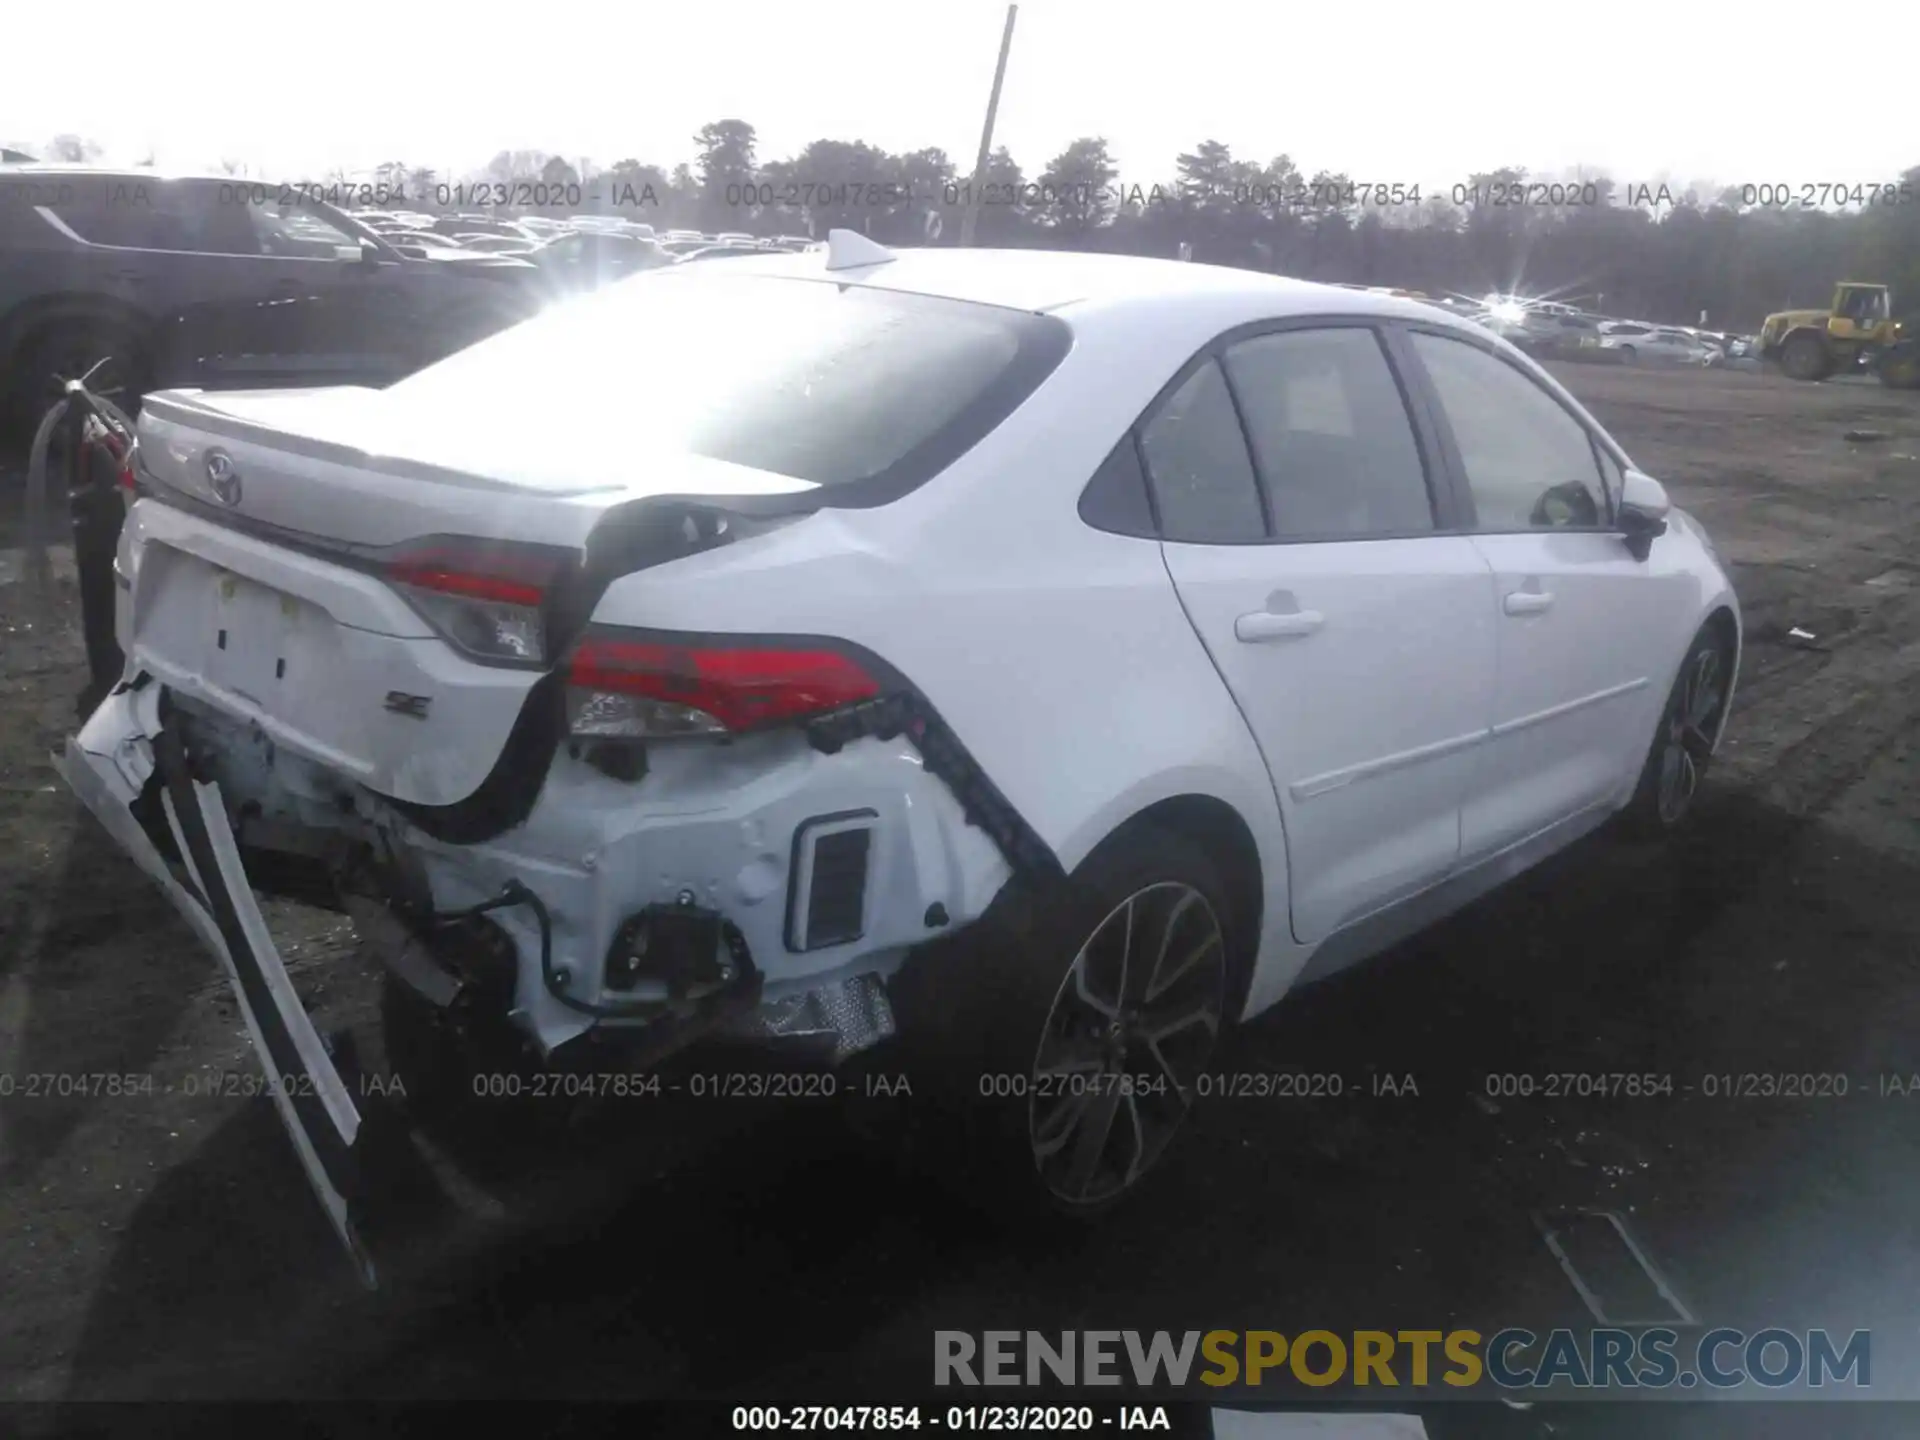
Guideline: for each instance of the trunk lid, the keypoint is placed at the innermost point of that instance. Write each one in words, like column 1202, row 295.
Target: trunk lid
column 350, row 465
column 260, row 570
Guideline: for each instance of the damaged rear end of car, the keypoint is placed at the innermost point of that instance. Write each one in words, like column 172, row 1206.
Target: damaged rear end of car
column 378, row 653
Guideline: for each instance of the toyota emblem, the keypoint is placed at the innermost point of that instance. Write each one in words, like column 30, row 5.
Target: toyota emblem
column 223, row 477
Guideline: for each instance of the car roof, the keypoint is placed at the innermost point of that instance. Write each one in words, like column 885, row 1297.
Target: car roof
column 1055, row 280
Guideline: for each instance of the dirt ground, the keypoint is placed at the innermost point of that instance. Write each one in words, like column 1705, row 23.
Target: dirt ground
column 159, row 1242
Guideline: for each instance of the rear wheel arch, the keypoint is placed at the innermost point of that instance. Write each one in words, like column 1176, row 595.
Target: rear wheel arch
column 1722, row 620
column 29, row 329
column 1218, row 829
column 32, row 321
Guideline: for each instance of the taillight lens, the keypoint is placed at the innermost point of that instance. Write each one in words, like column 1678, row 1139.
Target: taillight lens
column 485, row 598
column 652, row 689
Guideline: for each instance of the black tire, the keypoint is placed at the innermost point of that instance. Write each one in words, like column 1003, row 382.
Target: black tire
column 1901, row 369
column 989, row 1019
column 1682, row 749
column 1804, row 357
column 1629, row 355
column 67, row 350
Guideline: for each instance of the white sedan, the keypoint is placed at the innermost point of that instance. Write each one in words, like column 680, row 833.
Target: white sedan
column 1034, row 663
column 1635, row 343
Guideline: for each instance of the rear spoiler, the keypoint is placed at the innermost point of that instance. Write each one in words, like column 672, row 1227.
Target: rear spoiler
column 186, row 407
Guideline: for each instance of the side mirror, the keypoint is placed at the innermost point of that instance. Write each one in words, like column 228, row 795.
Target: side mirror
column 1643, row 512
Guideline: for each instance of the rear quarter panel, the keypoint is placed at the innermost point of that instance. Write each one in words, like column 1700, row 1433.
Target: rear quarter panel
column 1059, row 654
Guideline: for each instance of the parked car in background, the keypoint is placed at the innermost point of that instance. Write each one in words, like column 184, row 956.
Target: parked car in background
column 788, row 731
column 1742, row 352
column 499, row 244
column 1563, row 332
column 1634, row 343
column 205, row 282
column 1541, row 327
column 459, row 225
column 719, row 252
column 686, row 245
column 411, row 242
column 585, row 259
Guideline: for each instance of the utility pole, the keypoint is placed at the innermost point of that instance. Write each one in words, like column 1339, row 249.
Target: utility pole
column 971, row 219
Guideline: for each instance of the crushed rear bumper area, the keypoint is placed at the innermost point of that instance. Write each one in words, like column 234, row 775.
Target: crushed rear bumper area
column 757, row 894
column 135, row 775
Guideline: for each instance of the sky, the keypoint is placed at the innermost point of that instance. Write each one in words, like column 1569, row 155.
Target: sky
column 1645, row 90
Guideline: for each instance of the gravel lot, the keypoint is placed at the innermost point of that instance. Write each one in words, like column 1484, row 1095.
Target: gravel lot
column 162, row 1244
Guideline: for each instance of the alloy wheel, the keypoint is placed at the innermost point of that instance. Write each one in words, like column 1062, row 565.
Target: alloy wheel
column 1120, row 1056
column 1692, row 721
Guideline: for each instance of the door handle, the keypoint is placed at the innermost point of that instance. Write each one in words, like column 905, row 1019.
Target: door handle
column 131, row 277
column 1266, row 625
column 1528, row 602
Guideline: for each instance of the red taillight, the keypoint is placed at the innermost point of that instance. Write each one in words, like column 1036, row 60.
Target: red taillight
column 648, row 689
column 431, row 576
column 484, row 597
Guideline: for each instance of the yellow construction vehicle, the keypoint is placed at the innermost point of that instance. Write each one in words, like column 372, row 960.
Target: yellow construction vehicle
column 1900, row 366
column 1857, row 333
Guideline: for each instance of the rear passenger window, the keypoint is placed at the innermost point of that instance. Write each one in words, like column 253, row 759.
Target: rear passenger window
column 150, row 216
column 1198, row 466
column 1116, row 498
column 136, row 227
column 1331, row 437
column 1529, row 463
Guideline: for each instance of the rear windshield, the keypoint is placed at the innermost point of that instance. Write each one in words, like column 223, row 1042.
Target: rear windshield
column 834, row 385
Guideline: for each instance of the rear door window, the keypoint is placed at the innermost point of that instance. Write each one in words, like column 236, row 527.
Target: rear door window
column 1331, row 437
column 179, row 216
column 1197, row 462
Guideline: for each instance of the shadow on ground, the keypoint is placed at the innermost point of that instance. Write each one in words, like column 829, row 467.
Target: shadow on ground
column 768, row 1249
